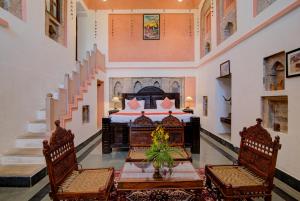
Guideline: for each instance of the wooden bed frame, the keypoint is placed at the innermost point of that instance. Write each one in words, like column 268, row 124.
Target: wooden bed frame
column 116, row 135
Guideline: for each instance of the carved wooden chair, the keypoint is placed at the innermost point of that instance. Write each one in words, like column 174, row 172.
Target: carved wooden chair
column 67, row 181
column 140, row 137
column 254, row 173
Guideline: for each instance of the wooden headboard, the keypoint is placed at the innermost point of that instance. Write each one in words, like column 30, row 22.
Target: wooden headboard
column 150, row 94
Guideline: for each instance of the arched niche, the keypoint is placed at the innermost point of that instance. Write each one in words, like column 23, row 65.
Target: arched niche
column 137, row 86
column 117, row 89
column 175, row 87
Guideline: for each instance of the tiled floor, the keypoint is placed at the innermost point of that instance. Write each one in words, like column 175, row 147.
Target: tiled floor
column 210, row 153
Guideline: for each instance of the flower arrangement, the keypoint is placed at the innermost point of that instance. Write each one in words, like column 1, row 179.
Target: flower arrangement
column 160, row 151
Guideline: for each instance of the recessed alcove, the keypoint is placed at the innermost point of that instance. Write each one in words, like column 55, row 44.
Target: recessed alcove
column 274, row 72
column 275, row 113
column 224, row 106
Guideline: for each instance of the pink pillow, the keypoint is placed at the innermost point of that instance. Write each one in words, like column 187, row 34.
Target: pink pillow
column 133, row 104
column 166, row 103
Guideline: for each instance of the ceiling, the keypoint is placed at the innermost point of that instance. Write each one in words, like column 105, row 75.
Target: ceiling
column 141, row 4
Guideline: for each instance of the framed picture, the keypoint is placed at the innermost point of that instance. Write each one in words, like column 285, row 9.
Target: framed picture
column 151, row 27
column 293, row 63
column 225, row 68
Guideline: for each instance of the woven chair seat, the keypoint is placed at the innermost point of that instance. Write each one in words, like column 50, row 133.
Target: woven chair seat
column 138, row 153
column 236, row 176
column 87, row 181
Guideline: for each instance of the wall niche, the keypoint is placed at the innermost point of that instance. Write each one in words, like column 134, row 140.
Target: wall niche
column 205, row 106
column 275, row 113
column 274, row 72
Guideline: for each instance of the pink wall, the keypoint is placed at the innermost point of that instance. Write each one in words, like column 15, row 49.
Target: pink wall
column 141, row 4
column 126, row 42
column 190, row 89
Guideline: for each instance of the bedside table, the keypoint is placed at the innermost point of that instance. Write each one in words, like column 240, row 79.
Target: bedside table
column 113, row 111
column 188, row 110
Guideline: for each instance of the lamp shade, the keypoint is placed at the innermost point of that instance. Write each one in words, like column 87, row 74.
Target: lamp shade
column 188, row 99
column 115, row 99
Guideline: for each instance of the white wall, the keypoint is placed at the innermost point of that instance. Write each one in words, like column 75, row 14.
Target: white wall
column 247, row 79
column 31, row 65
column 83, row 131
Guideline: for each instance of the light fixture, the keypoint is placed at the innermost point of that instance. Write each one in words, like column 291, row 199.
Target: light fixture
column 188, row 100
column 115, row 100
column 104, row 0
column 179, row 0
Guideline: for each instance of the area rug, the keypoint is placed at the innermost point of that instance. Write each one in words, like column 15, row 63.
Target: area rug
column 169, row 195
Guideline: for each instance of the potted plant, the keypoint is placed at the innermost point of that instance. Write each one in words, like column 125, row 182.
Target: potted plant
column 160, row 153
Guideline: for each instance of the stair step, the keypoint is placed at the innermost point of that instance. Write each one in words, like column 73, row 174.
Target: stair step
column 19, row 170
column 31, row 140
column 21, row 175
column 40, row 114
column 23, row 156
column 38, row 126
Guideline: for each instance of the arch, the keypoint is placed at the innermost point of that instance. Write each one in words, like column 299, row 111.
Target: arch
column 156, row 84
column 137, row 86
column 205, row 27
column 175, row 87
column 118, row 89
column 229, row 29
column 207, row 47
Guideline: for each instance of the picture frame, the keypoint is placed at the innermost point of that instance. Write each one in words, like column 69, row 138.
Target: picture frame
column 151, row 26
column 293, row 63
column 225, row 68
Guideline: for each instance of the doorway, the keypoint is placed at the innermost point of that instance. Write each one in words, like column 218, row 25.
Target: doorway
column 100, row 103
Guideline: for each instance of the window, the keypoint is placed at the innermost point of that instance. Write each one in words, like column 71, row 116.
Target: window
column 53, row 8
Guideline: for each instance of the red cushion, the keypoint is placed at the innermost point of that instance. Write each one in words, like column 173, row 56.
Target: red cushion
column 166, row 103
column 133, row 104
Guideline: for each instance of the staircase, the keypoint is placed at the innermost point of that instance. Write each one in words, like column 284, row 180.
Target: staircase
column 24, row 165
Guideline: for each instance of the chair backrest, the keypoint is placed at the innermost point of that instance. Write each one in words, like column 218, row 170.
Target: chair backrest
column 60, row 156
column 140, row 131
column 175, row 128
column 141, row 128
column 258, row 152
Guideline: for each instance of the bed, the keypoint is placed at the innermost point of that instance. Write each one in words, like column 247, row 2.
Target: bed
column 115, row 128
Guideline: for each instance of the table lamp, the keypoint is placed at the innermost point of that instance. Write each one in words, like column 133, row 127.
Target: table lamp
column 188, row 101
column 115, row 100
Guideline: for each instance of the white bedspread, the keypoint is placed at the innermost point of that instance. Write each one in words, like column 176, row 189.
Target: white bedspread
column 124, row 116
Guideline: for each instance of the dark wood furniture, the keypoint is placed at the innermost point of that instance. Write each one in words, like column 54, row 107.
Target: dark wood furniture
column 113, row 111
column 226, row 120
column 66, row 180
column 140, row 138
column 188, row 110
column 137, row 182
column 116, row 135
column 253, row 175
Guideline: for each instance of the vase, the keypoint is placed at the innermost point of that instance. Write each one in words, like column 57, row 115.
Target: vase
column 156, row 174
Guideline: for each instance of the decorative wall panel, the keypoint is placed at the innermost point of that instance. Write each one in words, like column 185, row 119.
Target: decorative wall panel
column 117, row 86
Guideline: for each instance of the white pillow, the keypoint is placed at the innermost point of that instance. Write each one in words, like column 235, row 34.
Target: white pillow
column 159, row 107
column 141, row 102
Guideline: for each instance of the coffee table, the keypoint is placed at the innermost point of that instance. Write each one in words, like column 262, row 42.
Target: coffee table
column 137, row 183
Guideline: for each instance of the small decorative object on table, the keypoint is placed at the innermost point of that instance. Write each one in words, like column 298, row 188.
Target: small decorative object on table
column 160, row 151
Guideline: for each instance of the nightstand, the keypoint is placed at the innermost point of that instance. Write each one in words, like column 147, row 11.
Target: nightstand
column 113, row 111
column 188, row 110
